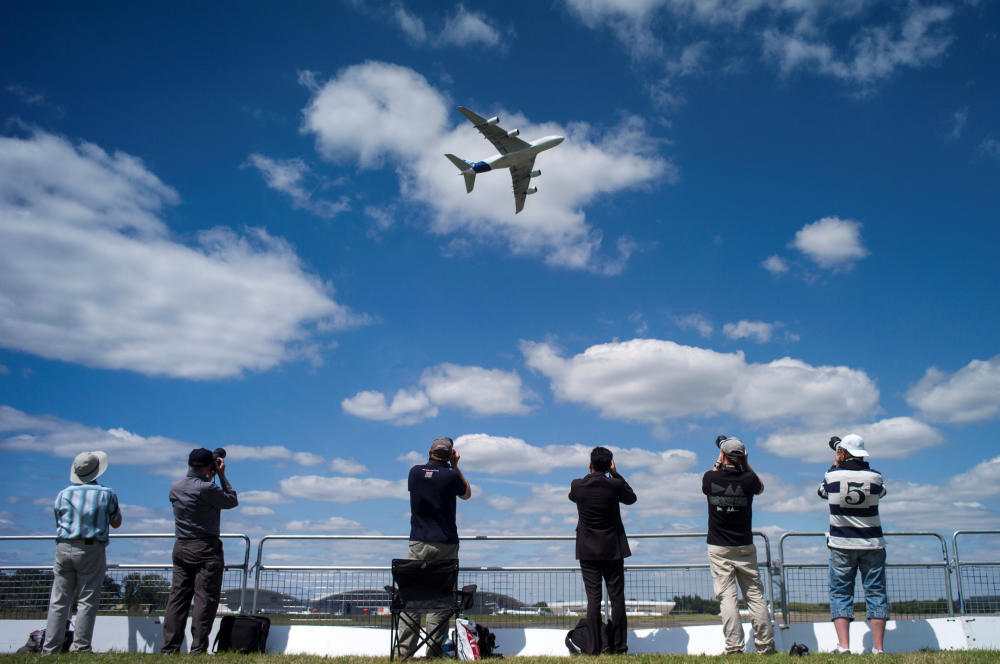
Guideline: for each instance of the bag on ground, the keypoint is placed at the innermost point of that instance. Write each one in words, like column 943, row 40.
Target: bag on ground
column 466, row 639
column 37, row 639
column 242, row 634
column 487, row 642
column 578, row 639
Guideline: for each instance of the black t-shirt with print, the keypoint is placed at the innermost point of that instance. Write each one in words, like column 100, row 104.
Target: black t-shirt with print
column 730, row 494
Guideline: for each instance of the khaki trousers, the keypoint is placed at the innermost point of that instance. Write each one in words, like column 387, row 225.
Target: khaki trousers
column 406, row 637
column 79, row 570
column 732, row 566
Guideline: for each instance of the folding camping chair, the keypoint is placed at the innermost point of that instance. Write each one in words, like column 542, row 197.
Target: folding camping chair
column 422, row 587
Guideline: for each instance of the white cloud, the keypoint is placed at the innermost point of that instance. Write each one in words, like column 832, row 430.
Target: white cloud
column 376, row 112
column 270, row 452
column 335, row 524
column 970, row 394
column 343, row 489
column 407, row 407
column 650, row 380
column 467, row 28
column 478, row 390
column 410, row 24
column 697, row 322
column 307, row 459
column 757, row 330
column 482, row 391
column 350, row 466
column 90, row 274
column 291, row 176
column 259, row 497
column 255, row 510
column 959, row 120
column 831, row 242
column 892, row 438
column 775, row 264
column 990, row 147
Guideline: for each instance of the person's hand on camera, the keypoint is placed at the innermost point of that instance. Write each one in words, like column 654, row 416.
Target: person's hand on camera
column 612, row 469
column 455, row 456
column 220, row 466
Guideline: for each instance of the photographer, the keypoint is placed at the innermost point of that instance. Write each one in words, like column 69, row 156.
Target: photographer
column 197, row 555
column 601, row 546
column 853, row 490
column 732, row 557
column 434, row 487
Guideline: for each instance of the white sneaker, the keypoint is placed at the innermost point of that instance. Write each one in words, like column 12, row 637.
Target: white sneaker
column 841, row 651
column 876, row 651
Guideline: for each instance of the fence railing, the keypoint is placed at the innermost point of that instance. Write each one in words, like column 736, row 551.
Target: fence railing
column 983, row 576
column 546, row 591
column 917, row 589
column 512, row 596
column 129, row 588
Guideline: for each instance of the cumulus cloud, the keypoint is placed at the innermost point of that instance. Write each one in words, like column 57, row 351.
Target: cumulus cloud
column 756, row 330
column 350, row 466
column 892, row 438
column 259, row 497
column 335, row 525
column 698, row 323
column 292, row 177
column 845, row 40
column 478, row 390
column 651, row 380
column 272, row 452
column 831, row 242
column 378, row 113
column 467, row 28
column 500, row 455
column 255, row 510
column 775, row 264
column 89, row 273
column 343, row 489
column 971, row 394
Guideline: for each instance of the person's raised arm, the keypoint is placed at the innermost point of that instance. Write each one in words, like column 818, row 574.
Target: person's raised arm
column 455, row 456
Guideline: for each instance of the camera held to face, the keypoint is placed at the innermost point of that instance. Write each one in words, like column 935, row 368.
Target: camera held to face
column 834, row 441
column 218, row 453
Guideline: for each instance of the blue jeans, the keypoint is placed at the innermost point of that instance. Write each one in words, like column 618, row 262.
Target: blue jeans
column 844, row 566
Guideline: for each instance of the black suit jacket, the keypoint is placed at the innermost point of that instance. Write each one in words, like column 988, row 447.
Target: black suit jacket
column 600, row 534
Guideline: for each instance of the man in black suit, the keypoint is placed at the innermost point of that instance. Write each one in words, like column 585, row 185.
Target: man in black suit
column 601, row 545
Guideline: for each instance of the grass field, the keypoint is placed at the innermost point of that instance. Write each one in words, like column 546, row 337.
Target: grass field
column 940, row 657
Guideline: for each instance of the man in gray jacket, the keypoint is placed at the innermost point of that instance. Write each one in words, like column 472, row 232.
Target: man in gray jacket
column 197, row 556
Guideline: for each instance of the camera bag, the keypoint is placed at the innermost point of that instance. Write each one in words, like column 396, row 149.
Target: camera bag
column 242, row 634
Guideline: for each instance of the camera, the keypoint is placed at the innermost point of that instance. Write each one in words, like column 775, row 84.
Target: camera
column 834, row 440
column 219, row 453
column 719, row 439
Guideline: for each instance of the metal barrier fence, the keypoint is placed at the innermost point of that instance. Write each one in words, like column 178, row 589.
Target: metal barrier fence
column 915, row 589
column 129, row 588
column 657, row 595
column 983, row 576
column 542, row 594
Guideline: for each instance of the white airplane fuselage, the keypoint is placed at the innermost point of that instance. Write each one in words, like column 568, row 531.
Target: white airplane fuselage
column 524, row 156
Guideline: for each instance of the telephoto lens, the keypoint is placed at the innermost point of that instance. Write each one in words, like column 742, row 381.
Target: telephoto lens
column 833, row 442
column 219, row 453
column 719, row 439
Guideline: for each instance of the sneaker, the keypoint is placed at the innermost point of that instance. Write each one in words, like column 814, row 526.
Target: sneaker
column 841, row 651
column 767, row 650
column 876, row 651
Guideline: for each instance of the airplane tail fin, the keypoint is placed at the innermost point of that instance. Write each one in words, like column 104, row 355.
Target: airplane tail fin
column 466, row 168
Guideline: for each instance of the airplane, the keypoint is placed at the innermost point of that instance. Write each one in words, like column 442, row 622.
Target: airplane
column 515, row 154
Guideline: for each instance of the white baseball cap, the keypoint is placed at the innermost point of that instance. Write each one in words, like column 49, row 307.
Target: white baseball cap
column 854, row 445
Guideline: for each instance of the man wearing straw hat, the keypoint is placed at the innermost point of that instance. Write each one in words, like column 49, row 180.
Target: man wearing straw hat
column 83, row 512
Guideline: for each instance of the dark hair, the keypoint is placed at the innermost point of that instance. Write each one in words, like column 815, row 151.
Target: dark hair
column 600, row 459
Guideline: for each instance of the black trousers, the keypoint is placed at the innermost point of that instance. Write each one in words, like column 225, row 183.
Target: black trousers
column 198, row 567
column 612, row 573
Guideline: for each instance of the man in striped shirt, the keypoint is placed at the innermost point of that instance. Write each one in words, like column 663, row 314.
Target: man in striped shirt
column 853, row 490
column 83, row 511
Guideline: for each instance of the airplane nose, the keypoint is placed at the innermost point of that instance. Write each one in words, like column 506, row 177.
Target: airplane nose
column 556, row 140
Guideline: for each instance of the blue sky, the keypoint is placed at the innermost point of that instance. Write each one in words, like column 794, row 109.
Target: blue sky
column 235, row 226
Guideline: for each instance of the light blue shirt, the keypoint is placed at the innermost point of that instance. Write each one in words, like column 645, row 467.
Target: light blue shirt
column 84, row 511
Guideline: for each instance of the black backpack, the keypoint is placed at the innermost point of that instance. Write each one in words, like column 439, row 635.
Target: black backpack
column 487, row 642
column 578, row 639
column 242, row 634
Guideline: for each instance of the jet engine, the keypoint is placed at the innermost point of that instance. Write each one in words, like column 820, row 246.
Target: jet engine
column 534, row 174
column 495, row 119
column 531, row 190
column 513, row 132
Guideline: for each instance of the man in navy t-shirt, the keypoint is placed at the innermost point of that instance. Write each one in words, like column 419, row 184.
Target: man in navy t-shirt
column 730, row 487
column 434, row 487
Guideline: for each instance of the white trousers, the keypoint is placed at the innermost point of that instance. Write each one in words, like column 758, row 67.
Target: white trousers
column 732, row 566
column 79, row 571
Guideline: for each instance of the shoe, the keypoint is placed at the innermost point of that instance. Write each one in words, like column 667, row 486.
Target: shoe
column 876, row 651
column 769, row 650
column 841, row 651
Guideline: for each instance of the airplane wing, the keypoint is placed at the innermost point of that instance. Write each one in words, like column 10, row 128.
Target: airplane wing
column 494, row 133
column 521, row 175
